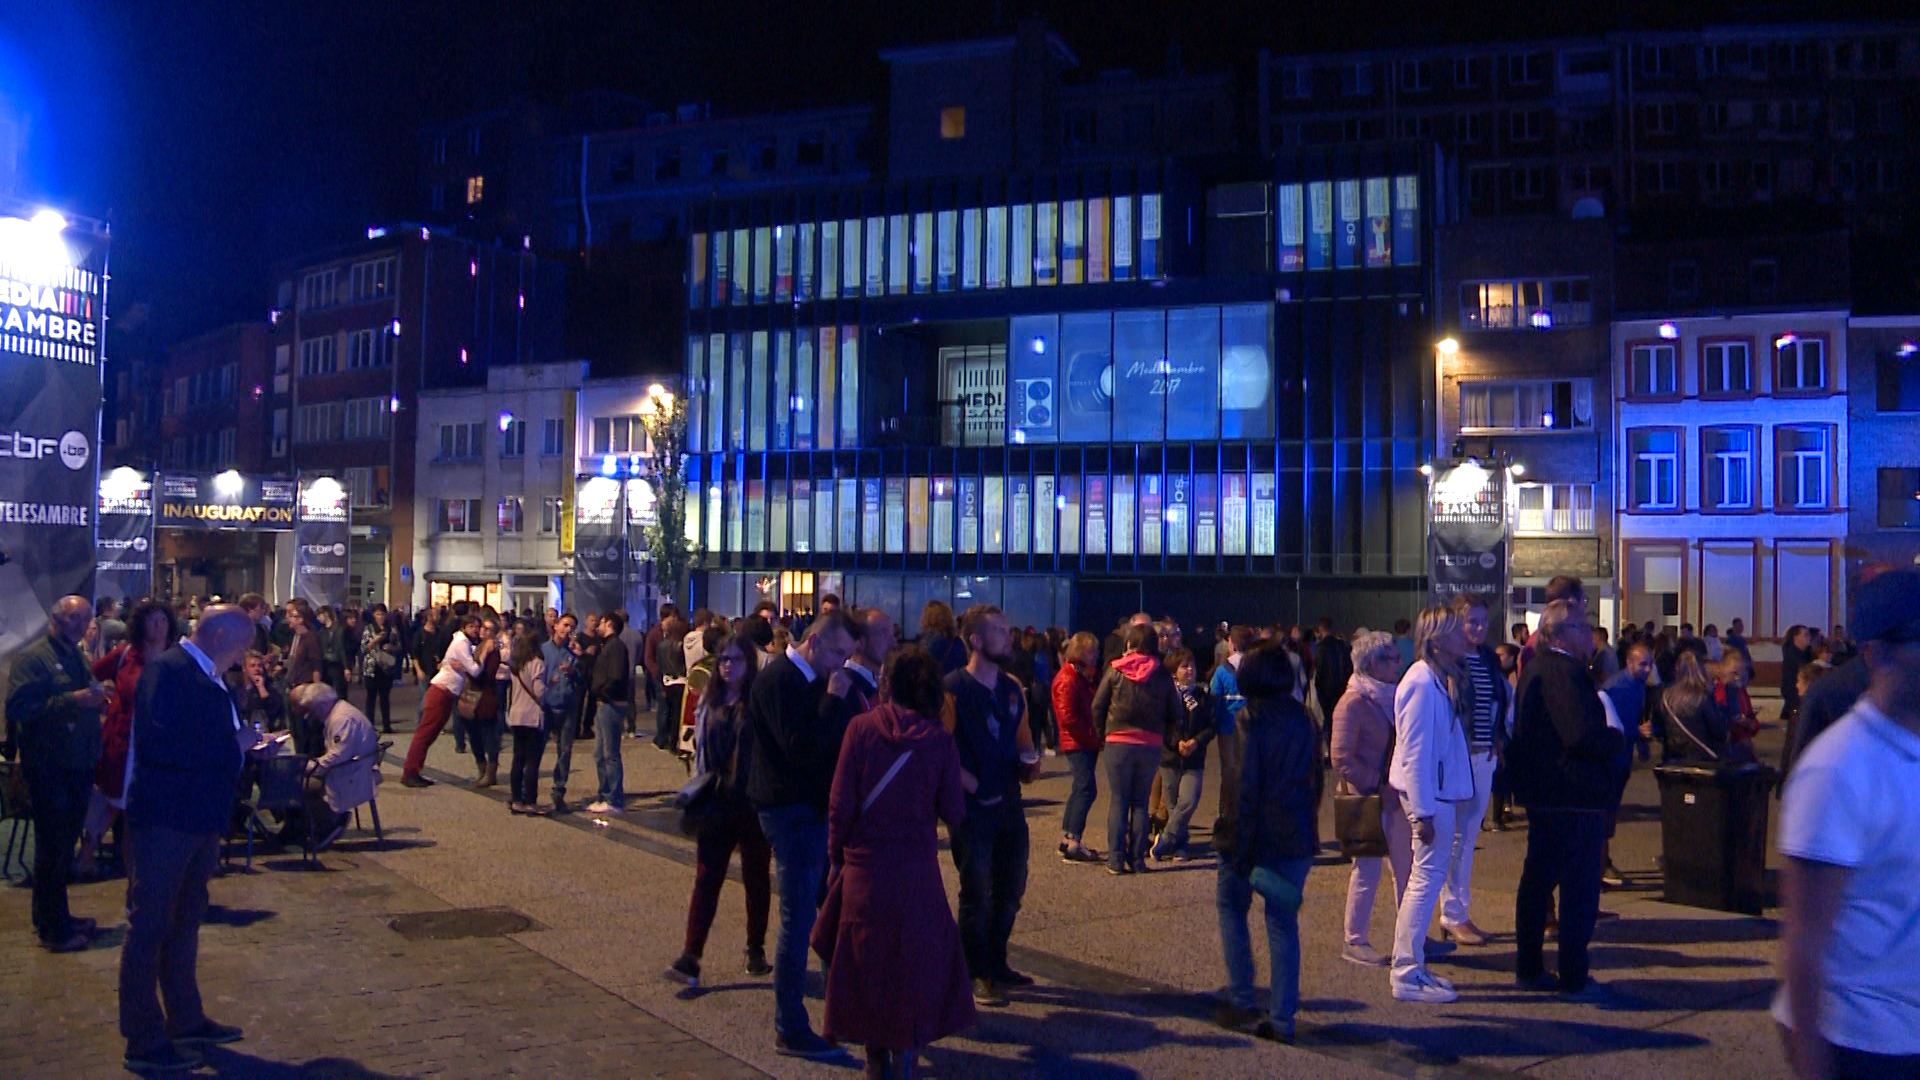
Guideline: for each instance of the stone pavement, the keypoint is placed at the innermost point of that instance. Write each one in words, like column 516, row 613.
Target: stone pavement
column 1126, row 965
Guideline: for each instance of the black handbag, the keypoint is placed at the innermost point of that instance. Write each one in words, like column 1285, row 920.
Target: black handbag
column 696, row 800
column 1358, row 820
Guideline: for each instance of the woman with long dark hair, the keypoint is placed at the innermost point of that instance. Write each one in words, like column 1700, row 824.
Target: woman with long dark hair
column 720, row 722
column 151, row 630
column 488, row 727
column 380, row 654
column 1696, row 727
column 527, row 685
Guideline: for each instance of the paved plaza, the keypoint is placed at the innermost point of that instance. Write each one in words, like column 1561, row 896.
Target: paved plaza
column 535, row 948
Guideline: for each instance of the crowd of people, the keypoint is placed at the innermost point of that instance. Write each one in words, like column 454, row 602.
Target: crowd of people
column 827, row 754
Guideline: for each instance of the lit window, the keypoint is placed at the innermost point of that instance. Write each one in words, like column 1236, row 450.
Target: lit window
column 953, row 122
column 1801, row 364
column 1654, row 457
column 476, row 188
column 1728, row 454
column 1801, row 467
column 1554, row 510
column 1653, row 371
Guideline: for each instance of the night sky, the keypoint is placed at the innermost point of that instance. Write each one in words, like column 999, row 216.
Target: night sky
column 218, row 137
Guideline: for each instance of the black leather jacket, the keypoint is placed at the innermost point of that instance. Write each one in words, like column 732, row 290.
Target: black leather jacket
column 1276, row 816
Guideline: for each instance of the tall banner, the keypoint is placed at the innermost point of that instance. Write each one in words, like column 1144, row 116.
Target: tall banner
column 320, row 540
column 52, row 293
column 124, row 552
column 1467, row 540
column 599, row 546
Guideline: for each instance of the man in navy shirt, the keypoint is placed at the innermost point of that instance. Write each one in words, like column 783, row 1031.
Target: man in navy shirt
column 996, row 755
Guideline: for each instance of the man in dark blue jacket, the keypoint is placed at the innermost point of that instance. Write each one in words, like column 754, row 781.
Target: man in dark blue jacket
column 185, row 764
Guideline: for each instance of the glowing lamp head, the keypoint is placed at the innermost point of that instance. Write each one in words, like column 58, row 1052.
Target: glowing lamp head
column 1517, row 469
column 1669, row 331
column 1039, row 346
column 607, row 465
column 229, row 483
column 50, row 220
column 393, row 403
column 1546, row 419
column 1426, row 470
column 1786, row 339
column 1447, row 346
column 1906, row 349
column 506, row 421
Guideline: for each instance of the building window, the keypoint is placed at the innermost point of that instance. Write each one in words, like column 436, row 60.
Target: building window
column 550, row 511
column 766, row 156
column 716, row 161
column 666, row 163
column 510, row 515
column 810, row 151
column 1899, row 498
column 1469, row 71
column 1897, row 381
column 1356, row 80
column 619, row 435
column 1653, row 371
column 1554, row 510
column 1726, row 480
column 368, row 349
column 1416, row 76
column 1800, row 364
column 1717, row 177
column 476, row 189
column 368, row 418
column 1653, row 476
column 1296, row 83
column 372, row 280
column 1527, row 125
column 1726, row 369
column 953, row 122
column 317, row 290
column 552, row 437
column 973, row 399
column 317, row 356
column 367, row 487
column 1470, row 128
column 1527, row 69
column 457, row 515
column 1660, row 177
column 439, row 149
column 224, row 459
column 1802, row 464
column 1526, row 305
column 513, row 441
column 620, row 168
column 1657, row 119
column 1523, row 406
column 460, row 442
column 1656, row 59
column 1529, row 182
column 437, row 197
column 320, row 423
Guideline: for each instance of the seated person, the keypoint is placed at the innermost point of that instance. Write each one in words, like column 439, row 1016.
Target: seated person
column 345, row 774
column 256, row 697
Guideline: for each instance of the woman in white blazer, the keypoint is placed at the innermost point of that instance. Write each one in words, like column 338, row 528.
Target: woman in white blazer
column 1433, row 775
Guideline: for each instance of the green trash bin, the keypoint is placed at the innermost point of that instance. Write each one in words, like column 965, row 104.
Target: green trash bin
column 1713, row 835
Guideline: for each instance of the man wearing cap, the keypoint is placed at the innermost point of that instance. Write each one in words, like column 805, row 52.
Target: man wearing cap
column 1849, row 1000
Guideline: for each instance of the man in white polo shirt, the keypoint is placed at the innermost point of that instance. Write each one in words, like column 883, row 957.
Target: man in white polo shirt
column 1849, row 1000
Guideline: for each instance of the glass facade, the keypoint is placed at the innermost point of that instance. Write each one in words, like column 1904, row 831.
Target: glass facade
column 907, row 408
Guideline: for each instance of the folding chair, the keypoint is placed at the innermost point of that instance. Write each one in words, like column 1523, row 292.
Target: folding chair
column 373, row 805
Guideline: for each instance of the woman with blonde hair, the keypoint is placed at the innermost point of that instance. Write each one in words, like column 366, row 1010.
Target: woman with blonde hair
column 1433, row 776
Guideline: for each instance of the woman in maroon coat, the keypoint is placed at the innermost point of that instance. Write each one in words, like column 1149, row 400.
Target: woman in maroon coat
column 896, row 976
column 151, row 630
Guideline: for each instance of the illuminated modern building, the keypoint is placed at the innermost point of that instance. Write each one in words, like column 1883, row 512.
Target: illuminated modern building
column 1074, row 391
column 1731, row 390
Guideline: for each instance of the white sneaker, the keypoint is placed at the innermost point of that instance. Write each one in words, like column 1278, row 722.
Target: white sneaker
column 1424, row 989
column 601, row 806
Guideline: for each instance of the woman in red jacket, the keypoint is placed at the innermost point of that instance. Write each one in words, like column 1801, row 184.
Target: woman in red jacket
column 151, row 630
column 1079, row 740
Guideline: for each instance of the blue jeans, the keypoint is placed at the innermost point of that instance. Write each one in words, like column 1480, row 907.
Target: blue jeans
column 1130, row 772
column 990, row 850
column 564, row 724
column 1182, row 787
column 1086, row 788
column 1233, row 897
column 798, row 836
column 608, row 725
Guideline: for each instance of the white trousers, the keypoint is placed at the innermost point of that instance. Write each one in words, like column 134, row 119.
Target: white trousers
column 1456, row 900
column 1429, row 874
column 1363, row 884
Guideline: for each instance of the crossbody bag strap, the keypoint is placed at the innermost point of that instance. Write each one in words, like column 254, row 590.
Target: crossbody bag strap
column 1675, row 717
column 892, row 772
